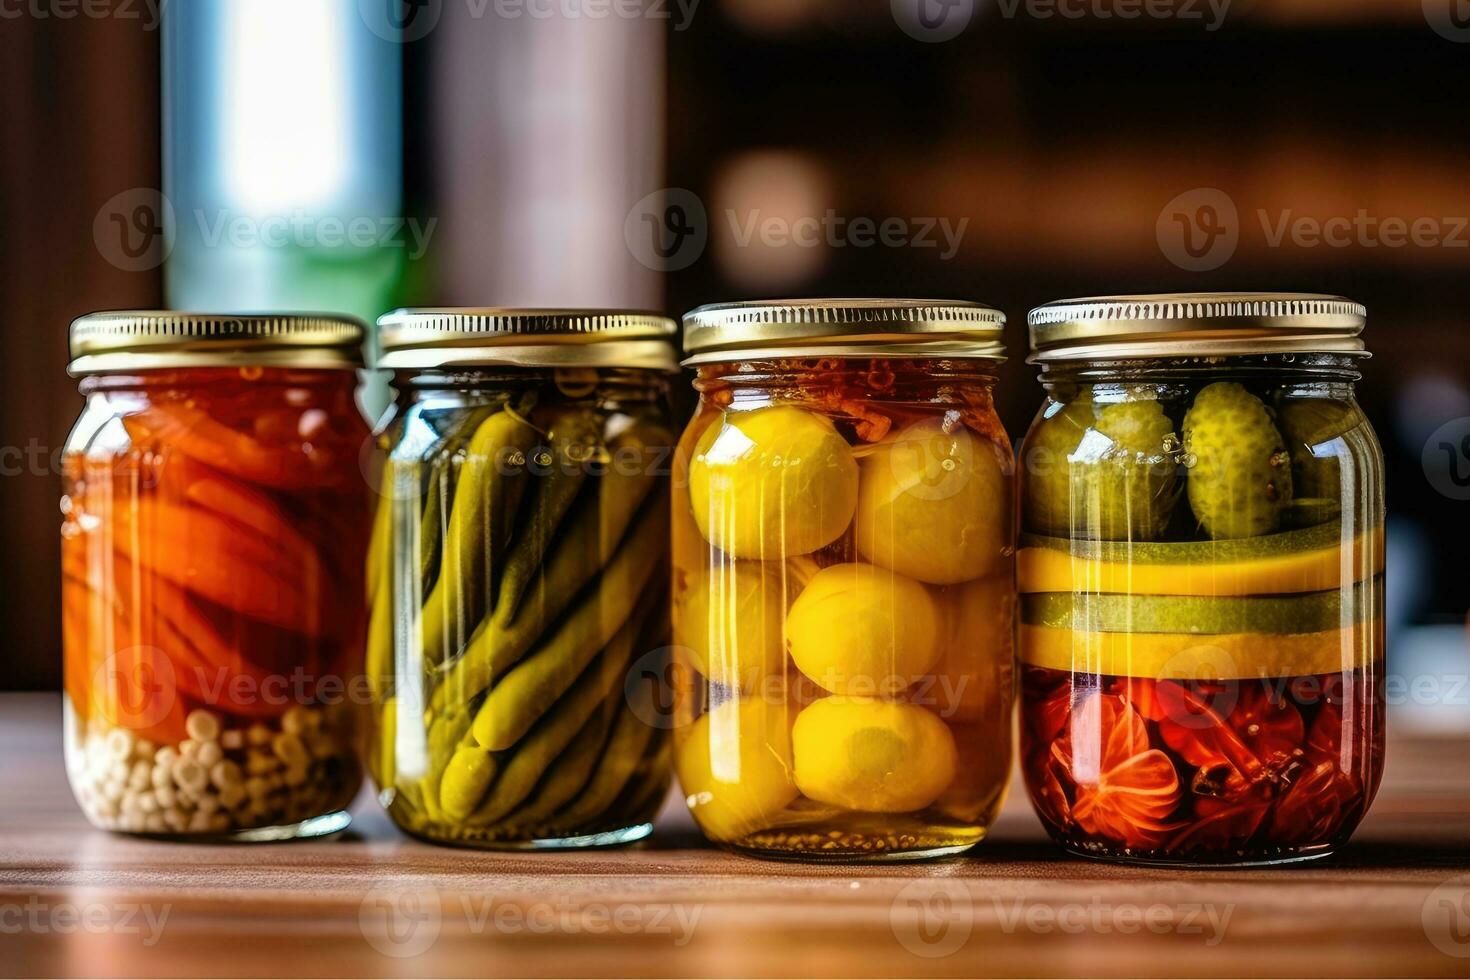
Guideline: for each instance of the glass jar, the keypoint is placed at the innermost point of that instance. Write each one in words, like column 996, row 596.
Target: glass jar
column 518, row 576
column 214, row 523
column 1201, row 577
column 844, row 579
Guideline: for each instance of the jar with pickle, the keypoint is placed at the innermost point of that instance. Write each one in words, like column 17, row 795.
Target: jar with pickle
column 1201, row 576
column 843, row 579
column 214, row 524
column 517, row 576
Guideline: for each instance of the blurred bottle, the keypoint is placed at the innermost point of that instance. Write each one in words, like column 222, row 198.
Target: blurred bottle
column 283, row 158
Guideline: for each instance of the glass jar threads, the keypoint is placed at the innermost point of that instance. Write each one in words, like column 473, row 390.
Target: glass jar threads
column 1201, row 577
column 518, row 576
column 214, row 523
column 843, row 579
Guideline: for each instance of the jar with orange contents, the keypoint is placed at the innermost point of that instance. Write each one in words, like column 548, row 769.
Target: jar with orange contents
column 214, row 527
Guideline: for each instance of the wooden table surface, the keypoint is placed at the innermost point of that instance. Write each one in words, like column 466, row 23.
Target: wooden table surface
column 83, row 903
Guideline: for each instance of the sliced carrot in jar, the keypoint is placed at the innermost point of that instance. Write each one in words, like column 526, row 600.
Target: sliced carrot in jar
column 194, row 433
column 200, row 552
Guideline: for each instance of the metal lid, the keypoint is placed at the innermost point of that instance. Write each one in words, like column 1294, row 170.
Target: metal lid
column 120, row 341
column 842, row 327
column 491, row 336
column 1184, row 324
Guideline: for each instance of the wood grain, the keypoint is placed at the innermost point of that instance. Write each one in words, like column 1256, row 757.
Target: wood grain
column 675, row 907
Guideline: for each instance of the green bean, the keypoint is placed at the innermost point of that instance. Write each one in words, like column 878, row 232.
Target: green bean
column 644, row 797
column 589, row 540
column 447, row 733
column 531, row 686
column 378, row 656
column 386, row 745
column 378, row 659
column 569, row 773
column 555, row 729
column 380, row 542
column 575, row 439
column 431, row 528
column 479, row 524
column 625, row 751
column 466, row 778
column 439, row 498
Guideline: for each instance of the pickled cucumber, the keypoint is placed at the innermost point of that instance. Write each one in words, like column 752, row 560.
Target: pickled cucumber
column 1312, row 427
column 1239, row 470
column 1102, row 471
column 1305, row 560
column 1204, row 615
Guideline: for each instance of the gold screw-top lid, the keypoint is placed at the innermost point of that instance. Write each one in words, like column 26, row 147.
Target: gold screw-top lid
column 1194, row 324
column 121, row 341
column 843, row 327
column 494, row 336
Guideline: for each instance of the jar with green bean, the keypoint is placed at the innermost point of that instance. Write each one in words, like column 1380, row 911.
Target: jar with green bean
column 517, row 576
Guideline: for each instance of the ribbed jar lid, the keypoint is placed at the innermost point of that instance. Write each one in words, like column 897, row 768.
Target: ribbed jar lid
column 1187, row 324
column 442, row 337
column 119, row 341
column 842, row 327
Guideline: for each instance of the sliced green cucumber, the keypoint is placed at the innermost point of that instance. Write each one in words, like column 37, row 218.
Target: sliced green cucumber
column 1313, row 612
column 1326, row 535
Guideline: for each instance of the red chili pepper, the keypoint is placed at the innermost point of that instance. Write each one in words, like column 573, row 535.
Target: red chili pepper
column 1269, row 725
column 1324, row 738
column 1314, row 807
column 1048, row 795
column 1193, row 728
column 1223, row 826
column 1260, row 730
column 1126, row 790
column 1140, row 693
column 1046, row 713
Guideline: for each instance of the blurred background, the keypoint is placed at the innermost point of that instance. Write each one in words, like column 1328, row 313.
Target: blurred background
column 363, row 154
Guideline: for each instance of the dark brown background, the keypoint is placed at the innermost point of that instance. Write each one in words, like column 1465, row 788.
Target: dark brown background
column 1061, row 141
column 79, row 123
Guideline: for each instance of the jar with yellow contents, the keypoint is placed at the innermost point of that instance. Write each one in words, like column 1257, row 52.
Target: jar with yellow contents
column 843, row 579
